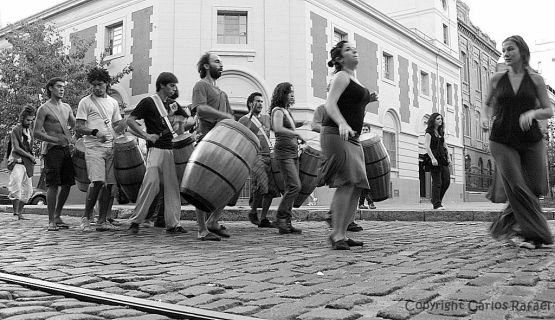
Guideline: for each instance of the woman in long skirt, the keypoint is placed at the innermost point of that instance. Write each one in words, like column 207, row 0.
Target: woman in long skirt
column 517, row 146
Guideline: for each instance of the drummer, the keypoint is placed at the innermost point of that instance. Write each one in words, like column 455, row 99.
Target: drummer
column 181, row 121
column 160, row 165
column 211, row 105
column 97, row 119
column 263, row 188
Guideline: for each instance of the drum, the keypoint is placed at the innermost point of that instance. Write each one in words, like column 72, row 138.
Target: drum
column 129, row 166
column 309, row 164
column 80, row 166
column 378, row 166
column 276, row 173
column 219, row 165
column 182, row 148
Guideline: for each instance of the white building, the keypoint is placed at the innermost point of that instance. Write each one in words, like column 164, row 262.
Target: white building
column 265, row 42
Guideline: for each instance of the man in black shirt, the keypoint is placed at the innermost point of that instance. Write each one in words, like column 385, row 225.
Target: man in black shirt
column 160, row 166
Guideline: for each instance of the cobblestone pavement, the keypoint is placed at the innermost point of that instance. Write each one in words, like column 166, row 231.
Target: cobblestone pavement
column 20, row 303
column 406, row 270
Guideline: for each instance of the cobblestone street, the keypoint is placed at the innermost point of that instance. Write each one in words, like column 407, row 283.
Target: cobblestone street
column 406, row 270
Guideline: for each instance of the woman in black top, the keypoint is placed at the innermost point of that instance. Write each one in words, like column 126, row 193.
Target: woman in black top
column 343, row 167
column 436, row 149
column 517, row 146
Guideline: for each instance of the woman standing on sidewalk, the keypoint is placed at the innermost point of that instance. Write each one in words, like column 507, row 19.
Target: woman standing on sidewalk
column 286, row 153
column 437, row 150
column 517, row 146
column 343, row 167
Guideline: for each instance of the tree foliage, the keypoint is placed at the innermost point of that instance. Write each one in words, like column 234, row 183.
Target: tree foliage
column 37, row 53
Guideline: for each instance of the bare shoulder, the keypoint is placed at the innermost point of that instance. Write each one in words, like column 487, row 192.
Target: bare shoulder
column 536, row 78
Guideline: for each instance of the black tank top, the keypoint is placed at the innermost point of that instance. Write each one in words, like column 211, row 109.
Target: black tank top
column 352, row 105
column 505, row 128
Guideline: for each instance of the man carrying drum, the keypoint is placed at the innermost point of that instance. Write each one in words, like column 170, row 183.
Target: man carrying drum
column 160, row 166
column 263, row 188
column 211, row 105
column 51, row 126
column 98, row 117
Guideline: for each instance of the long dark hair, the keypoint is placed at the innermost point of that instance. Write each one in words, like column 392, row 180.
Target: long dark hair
column 431, row 124
column 335, row 53
column 279, row 97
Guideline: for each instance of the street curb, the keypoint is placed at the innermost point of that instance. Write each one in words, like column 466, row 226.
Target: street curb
column 312, row 214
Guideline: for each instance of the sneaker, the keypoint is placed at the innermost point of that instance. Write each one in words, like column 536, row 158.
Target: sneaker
column 362, row 206
column 353, row 227
column 106, row 226
column 133, row 228
column 176, row 230
column 85, row 225
column 265, row 223
column 148, row 224
column 372, row 206
column 518, row 241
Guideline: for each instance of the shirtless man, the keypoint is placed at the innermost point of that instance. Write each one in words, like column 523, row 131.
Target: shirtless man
column 51, row 126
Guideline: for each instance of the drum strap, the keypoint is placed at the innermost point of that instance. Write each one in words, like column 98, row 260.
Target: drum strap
column 257, row 123
column 107, row 120
column 163, row 113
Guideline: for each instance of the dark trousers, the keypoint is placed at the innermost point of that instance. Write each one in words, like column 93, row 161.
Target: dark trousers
column 290, row 171
column 365, row 195
column 441, row 178
column 522, row 170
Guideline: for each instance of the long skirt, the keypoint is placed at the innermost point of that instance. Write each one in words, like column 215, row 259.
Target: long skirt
column 522, row 171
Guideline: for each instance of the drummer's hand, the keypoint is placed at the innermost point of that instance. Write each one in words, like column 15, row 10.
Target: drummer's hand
column 345, row 131
column 102, row 136
column 373, row 96
column 152, row 137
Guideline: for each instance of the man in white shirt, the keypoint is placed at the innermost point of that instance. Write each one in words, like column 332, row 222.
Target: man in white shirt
column 97, row 120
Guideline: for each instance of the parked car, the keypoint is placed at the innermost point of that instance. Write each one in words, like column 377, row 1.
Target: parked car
column 38, row 197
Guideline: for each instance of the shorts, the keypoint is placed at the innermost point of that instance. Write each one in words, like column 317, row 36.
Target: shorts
column 100, row 164
column 20, row 186
column 58, row 167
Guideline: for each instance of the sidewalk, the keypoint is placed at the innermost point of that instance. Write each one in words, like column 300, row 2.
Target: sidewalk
column 405, row 270
column 463, row 211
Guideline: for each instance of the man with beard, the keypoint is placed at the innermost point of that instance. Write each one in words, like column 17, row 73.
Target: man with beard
column 97, row 118
column 51, row 126
column 160, row 167
column 21, row 161
column 262, row 184
column 211, row 105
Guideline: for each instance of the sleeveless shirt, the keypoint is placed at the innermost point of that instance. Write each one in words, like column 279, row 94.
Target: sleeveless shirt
column 437, row 147
column 505, row 128
column 352, row 105
column 286, row 145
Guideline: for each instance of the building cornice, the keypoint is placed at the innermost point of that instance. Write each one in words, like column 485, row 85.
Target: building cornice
column 45, row 14
column 482, row 42
column 375, row 14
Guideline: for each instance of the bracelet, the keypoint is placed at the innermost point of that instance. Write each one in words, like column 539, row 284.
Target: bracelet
column 94, row 132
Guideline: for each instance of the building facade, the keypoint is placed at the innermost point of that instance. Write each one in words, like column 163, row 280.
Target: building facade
column 265, row 42
column 479, row 59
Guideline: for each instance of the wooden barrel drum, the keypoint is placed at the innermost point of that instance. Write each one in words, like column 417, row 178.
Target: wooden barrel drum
column 129, row 166
column 309, row 164
column 80, row 166
column 219, row 165
column 182, row 149
column 378, row 166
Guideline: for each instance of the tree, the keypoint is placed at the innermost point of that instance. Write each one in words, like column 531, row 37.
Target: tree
column 36, row 54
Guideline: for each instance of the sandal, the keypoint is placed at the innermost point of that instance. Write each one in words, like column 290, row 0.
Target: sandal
column 53, row 227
